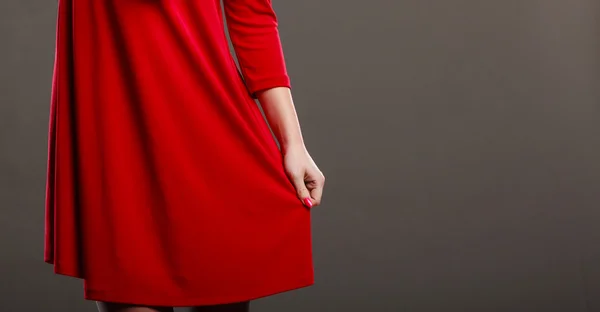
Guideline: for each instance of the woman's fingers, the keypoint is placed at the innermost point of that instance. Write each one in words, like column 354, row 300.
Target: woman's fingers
column 315, row 182
column 302, row 190
column 305, row 176
column 316, row 194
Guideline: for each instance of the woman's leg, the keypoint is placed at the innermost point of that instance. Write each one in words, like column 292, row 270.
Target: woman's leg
column 123, row 307
column 231, row 307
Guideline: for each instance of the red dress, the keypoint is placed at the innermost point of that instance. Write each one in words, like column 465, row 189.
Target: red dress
column 165, row 185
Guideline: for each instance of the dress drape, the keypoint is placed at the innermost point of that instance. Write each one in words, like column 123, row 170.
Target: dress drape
column 165, row 185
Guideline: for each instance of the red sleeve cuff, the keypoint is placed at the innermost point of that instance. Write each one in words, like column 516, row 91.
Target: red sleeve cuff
column 267, row 83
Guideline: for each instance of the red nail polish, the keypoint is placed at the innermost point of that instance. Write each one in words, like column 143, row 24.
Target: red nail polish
column 308, row 202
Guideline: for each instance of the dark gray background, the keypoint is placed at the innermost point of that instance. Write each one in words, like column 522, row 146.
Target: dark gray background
column 459, row 140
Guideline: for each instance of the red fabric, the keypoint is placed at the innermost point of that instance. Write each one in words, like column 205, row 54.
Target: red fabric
column 165, row 185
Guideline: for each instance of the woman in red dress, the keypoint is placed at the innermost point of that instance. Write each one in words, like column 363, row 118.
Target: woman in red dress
column 165, row 185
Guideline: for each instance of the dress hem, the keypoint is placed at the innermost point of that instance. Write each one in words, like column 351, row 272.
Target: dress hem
column 98, row 295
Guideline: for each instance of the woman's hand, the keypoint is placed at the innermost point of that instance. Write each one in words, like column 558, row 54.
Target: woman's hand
column 305, row 176
column 279, row 109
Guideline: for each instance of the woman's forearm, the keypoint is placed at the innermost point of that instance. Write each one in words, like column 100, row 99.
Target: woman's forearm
column 302, row 171
column 278, row 105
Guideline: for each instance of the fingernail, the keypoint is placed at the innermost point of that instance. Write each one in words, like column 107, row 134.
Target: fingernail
column 308, row 202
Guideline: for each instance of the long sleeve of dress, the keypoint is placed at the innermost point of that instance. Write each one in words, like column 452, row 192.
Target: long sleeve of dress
column 252, row 26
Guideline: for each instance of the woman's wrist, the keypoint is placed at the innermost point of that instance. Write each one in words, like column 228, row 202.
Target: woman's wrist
column 291, row 146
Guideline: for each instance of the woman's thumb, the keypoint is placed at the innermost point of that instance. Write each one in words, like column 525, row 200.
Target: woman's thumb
column 302, row 191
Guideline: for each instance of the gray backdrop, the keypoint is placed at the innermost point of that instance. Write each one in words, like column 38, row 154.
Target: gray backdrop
column 459, row 140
